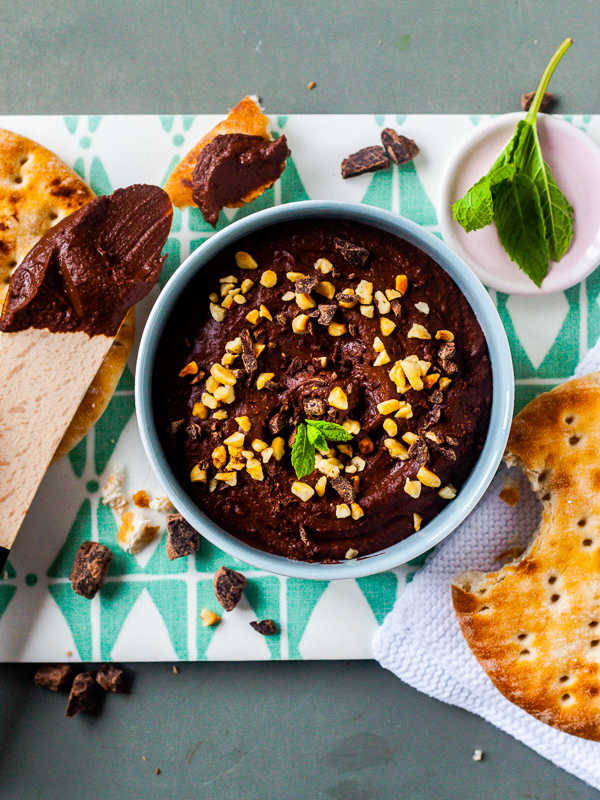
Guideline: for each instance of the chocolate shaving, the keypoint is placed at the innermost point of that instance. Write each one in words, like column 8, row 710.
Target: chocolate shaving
column 56, row 677
column 527, row 98
column 228, row 586
column 266, row 627
column 90, row 568
column 396, row 308
column 447, row 358
column 182, row 539
column 353, row 254
column 432, row 417
column 83, row 696
column 112, row 678
column 447, row 452
column 326, row 313
column 344, row 488
column 279, row 421
column 306, row 285
column 193, row 430
column 248, row 354
column 418, row 452
column 436, row 397
column 399, row 148
column 369, row 159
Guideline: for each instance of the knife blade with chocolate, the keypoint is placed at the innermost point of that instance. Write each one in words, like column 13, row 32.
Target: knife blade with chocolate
column 65, row 303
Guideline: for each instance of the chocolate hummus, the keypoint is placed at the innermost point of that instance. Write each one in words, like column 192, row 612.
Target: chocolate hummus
column 91, row 267
column 323, row 321
column 231, row 167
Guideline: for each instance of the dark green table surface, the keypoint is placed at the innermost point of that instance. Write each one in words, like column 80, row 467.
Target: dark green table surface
column 299, row 730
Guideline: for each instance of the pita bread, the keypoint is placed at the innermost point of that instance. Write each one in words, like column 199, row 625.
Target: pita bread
column 534, row 625
column 37, row 190
column 246, row 118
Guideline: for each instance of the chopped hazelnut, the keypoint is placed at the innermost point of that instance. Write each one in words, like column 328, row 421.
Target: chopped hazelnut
column 359, row 463
column 405, row 411
column 219, row 457
column 428, row 478
column 390, row 427
column 338, row 398
column 396, row 449
column 401, row 284
column 190, row 369
column 216, row 312
column 268, row 279
column 304, row 301
column 254, row 469
column 252, row 316
column 300, row 323
column 417, row 520
column 227, row 359
column 356, row 511
column 211, row 384
column 342, row 510
column 239, row 299
column 382, row 359
column 244, row 423
column 433, row 437
column 229, row 478
column 383, row 304
column 266, row 454
column 258, row 348
column 235, row 440
column 351, row 553
column 346, row 449
column 278, row 445
column 324, row 266
column 198, row 474
column 295, row 276
column 223, row 375
column 325, row 289
column 209, row 618
column 263, row 379
column 386, row 326
column 213, row 297
column 393, row 294
column 336, row 329
column 258, row 445
column 228, row 279
column 444, row 383
column 220, row 413
column 225, row 394
column 234, row 345
column 409, row 437
column 413, row 373
column 447, row 492
column 247, row 284
column 347, row 299
column 398, row 377
column 364, row 292
column 321, row 485
column 244, row 260
column 418, row 332
column 368, row 311
column 431, row 379
column 227, row 302
column 444, row 335
column 302, row 490
column 352, row 426
column 265, row 313
column 200, row 410
column 422, row 307
column 378, row 345
column 365, row 445
column 388, row 406
column 412, row 488
column 209, row 401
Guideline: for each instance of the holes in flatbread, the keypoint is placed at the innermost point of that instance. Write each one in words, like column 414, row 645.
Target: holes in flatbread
column 587, row 542
column 565, row 697
column 546, row 497
column 563, row 679
column 18, row 179
column 594, row 642
column 552, row 579
column 542, row 476
column 522, row 636
column 483, row 590
column 593, row 623
column 483, row 609
column 582, row 522
column 554, row 598
column 525, row 652
column 569, row 419
column 573, row 440
column 52, row 215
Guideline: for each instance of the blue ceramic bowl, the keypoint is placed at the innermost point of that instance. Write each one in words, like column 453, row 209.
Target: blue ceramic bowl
column 502, row 400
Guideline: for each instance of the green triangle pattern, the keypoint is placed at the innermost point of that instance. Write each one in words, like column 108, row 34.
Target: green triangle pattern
column 93, row 121
column 6, row 595
column 80, row 531
column 77, row 613
column 8, row 572
column 209, row 558
column 160, row 564
column 166, row 120
column 205, row 597
column 98, row 178
column 379, row 191
column 71, row 123
column 109, row 427
column 122, row 563
column 187, row 120
column 414, row 200
column 302, row 597
column 77, row 457
column 380, row 593
column 126, row 381
column 263, row 596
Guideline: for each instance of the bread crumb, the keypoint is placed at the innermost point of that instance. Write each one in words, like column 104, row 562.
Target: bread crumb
column 135, row 532
column 311, row 85
column 175, row 670
column 510, row 492
column 141, row 499
column 478, row 755
column 112, row 491
column 157, row 771
column 162, row 504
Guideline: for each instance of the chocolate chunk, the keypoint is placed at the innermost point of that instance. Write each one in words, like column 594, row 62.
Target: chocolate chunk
column 193, row 430
column 175, row 426
column 347, row 297
column 326, row 313
column 399, row 148
column 90, row 568
column 272, row 386
column 418, row 452
column 353, row 254
column 228, row 586
column 432, row 417
column 344, row 488
column 56, row 677
column 248, row 354
column 306, row 285
column 436, row 397
column 88, row 270
column 282, row 318
column 447, row 452
column 527, row 98
column 396, row 308
column 266, row 627
column 313, row 407
column 233, row 165
column 295, row 365
column 83, row 696
column 112, row 678
column 447, row 358
column 182, row 539
column 369, row 159
column 279, row 421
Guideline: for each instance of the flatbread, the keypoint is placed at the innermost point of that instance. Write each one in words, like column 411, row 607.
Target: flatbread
column 534, row 625
column 246, row 118
column 37, row 189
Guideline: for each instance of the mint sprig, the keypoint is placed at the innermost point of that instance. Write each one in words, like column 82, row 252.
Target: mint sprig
column 533, row 218
column 311, row 435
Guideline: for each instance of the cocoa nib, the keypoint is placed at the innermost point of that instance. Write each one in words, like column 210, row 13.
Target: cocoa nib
column 436, row 397
column 353, row 254
column 306, row 285
column 369, row 159
column 399, row 148
column 112, row 678
column 182, row 539
column 266, row 627
column 447, row 358
column 228, row 586
column 83, row 696
column 313, row 407
column 90, row 568
column 56, row 677
column 527, row 98
column 326, row 313
column 344, row 488
column 232, row 166
column 248, row 354
column 418, row 452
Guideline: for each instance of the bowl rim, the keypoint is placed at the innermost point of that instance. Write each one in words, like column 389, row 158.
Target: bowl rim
column 502, row 391
column 590, row 258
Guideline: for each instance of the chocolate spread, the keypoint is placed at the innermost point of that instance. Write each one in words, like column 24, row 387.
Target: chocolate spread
column 448, row 418
column 91, row 267
column 231, row 167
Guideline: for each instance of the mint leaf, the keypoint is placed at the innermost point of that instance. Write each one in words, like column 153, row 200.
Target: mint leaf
column 476, row 209
column 303, row 452
column 558, row 214
column 330, row 430
column 316, row 438
column 520, row 223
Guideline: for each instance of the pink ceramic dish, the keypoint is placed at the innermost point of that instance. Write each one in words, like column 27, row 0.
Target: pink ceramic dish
column 574, row 159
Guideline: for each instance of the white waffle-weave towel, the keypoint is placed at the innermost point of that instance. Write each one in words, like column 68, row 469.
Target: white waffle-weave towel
column 420, row 640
